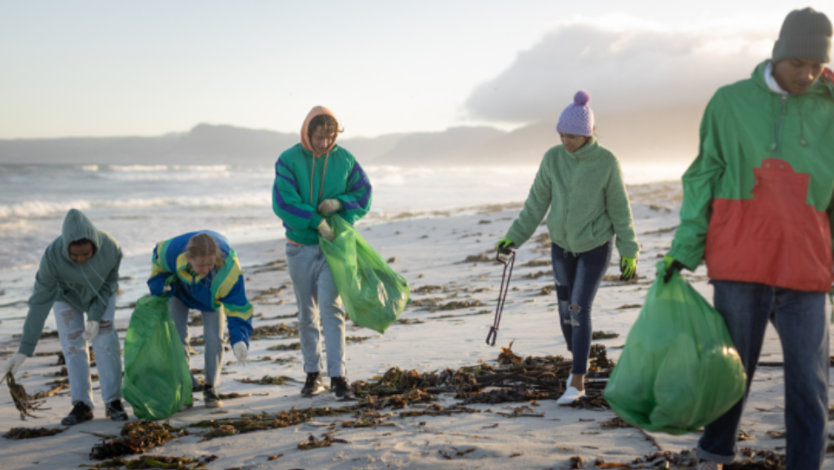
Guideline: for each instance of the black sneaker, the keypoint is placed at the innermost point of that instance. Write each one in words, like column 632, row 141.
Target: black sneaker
column 115, row 411
column 313, row 385
column 340, row 387
column 80, row 413
column 210, row 398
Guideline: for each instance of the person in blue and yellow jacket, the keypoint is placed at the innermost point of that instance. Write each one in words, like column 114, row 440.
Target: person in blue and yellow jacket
column 200, row 271
column 313, row 179
column 757, row 207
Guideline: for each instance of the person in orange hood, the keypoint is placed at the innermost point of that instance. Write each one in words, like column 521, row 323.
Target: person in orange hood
column 313, row 179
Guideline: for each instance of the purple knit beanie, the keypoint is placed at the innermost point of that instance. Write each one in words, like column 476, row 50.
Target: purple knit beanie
column 577, row 118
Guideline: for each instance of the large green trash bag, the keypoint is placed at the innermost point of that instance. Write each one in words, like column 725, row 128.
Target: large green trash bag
column 679, row 369
column 157, row 381
column 374, row 295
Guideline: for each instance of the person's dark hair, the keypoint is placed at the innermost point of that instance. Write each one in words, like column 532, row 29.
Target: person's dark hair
column 327, row 122
column 82, row 241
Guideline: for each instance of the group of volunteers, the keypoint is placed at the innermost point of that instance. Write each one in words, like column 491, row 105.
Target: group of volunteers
column 758, row 209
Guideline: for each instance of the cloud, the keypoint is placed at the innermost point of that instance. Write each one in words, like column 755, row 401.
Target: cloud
column 622, row 69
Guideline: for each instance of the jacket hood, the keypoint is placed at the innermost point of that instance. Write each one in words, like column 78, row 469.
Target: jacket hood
column 305, row 139
column 76, row 227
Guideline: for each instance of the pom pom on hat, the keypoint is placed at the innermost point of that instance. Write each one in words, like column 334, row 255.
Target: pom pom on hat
column 805, row 34
column 577, row 118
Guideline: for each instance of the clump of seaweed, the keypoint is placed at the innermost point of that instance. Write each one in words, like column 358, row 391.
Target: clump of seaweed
column 268, row 380
column 24, row 403
column 278, row 329
column 136, row 438
column 159, row 461
column 29, row 433
column 263, row 421
column 313, row 443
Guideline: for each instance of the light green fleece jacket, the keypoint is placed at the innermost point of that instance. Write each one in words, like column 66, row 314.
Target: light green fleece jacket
column 587, row 199
column 87, row 287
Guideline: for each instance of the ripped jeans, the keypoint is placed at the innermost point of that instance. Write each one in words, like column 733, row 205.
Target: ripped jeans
column 577, row 279
column 70, row 323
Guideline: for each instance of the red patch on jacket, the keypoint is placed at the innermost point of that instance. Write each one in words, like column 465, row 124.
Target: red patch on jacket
column 775, row 238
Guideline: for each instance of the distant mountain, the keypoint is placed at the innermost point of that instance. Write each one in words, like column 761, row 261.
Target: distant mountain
column 655, row 135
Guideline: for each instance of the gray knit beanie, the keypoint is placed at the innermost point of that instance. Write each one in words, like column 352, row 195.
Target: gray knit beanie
column 805, row 34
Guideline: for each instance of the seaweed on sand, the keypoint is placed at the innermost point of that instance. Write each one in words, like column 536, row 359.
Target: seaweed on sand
column 24, row 403
column 136, row 438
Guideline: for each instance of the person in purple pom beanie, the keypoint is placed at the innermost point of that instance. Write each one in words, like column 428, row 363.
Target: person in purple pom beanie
column 581, row 184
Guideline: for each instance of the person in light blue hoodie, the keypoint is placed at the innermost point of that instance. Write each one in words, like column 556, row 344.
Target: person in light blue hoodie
column 79, row 274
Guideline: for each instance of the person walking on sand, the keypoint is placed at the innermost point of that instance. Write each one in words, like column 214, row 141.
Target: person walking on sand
column 199, row 270
column 757, row 207
column 78, row 273
column 581, row 183
column 314, row 179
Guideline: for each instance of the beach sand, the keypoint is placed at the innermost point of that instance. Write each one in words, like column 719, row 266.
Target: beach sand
column 449, row 263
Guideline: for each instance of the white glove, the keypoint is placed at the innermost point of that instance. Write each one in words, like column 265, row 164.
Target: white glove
column 329, row 206
column 92, row 330
column 240, row 351
column 325, row 231
column 13, row 364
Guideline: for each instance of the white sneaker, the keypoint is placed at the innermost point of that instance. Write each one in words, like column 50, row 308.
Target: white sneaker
column 704, row 465
column 571, row 395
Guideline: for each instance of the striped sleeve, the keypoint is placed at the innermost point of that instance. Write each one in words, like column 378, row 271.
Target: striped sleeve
column 287, row 202
column 356, row 202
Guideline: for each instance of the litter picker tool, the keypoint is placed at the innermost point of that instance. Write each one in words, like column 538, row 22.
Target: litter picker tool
column 508, row 260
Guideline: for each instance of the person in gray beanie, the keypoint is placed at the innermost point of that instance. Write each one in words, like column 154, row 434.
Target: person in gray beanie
column 758, row 209
column 579, row 187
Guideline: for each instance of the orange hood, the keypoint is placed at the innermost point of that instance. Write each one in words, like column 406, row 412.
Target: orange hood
column 305, row 139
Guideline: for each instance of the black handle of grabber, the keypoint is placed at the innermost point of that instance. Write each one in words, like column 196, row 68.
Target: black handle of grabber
column 508, row 261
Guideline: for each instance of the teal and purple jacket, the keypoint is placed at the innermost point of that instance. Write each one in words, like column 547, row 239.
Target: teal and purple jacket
column 303, row 180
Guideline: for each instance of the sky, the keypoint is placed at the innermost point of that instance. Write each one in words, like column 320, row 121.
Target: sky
column 144, row 68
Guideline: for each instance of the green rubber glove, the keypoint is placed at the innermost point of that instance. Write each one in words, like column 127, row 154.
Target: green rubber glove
column 628, row 268
column 504, row 245
column 670, row 266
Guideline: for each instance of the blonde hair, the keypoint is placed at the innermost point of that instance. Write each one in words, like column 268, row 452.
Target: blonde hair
column 203, row 245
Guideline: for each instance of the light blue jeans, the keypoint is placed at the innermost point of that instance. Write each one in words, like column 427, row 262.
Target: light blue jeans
column 213, row 345
column 577, row 277
column 799, row 319
column 70, row 323
column 318, row 303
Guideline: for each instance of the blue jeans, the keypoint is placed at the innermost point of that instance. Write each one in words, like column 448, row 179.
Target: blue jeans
column 70, row 323
column 799, row 319
column 318, row 302
column 577, row 279
column 213, row 341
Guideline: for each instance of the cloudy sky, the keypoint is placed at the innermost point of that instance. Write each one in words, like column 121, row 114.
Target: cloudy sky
column 117, row 68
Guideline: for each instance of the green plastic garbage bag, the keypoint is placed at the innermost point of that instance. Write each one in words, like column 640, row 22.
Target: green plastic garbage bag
column 374, row 295
column 679, row 369
column 157, row 381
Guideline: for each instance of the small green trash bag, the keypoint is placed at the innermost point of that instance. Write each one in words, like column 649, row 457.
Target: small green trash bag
column 679, row 369
column 157, row 381
column 374, row 295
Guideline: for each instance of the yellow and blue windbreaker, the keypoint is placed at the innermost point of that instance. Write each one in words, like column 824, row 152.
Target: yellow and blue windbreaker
column 221, row 287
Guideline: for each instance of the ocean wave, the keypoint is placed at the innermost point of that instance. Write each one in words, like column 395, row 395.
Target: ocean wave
column 40, row 209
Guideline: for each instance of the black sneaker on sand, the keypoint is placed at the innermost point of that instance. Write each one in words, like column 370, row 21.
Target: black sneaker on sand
column 80, row 413
column 313, row 385
column 340, row 387
column 210, row 398
column 115, row 411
